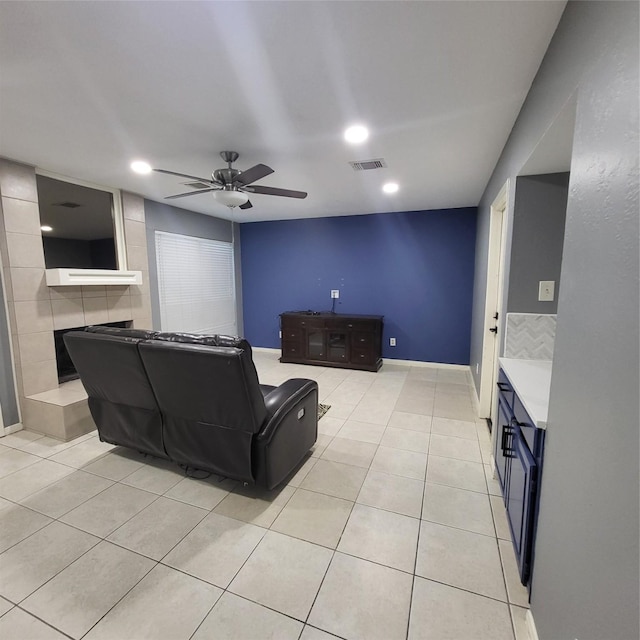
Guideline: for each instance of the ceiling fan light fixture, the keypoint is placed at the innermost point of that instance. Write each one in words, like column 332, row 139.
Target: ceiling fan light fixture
column 230, row 198
column 356, row 134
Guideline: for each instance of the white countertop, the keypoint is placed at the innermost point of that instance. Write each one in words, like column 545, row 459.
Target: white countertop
column 531, row 380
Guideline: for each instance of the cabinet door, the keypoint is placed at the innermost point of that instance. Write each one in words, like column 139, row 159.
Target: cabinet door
column 316, row 349
column 520, row 500
column 337, row 349
column 502, row 445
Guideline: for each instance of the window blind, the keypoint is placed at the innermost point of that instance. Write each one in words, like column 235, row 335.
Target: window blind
column 196, row 284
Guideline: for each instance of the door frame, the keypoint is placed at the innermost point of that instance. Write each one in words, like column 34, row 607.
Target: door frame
column 493, row 303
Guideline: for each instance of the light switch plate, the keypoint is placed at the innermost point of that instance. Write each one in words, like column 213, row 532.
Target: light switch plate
column 335, row 293
column 546, row 290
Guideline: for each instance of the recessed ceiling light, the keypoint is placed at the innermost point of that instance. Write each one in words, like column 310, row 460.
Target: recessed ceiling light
column 46, row 227
column 356, row 134
column 390, row 187
column 140, row 166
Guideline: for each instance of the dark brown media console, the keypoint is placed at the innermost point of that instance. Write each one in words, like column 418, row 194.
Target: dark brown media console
column 331, row 339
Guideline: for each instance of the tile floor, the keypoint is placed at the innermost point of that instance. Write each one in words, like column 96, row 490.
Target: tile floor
column 391, row 529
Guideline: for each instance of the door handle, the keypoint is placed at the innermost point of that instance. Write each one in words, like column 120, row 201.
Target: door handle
column 494, row 329
column 507, row 449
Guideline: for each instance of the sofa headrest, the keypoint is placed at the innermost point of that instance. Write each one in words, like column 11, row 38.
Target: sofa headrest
column 141, row 334
column 208, row 340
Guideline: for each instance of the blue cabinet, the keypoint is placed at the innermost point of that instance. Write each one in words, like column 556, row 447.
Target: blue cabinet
column 518, row 458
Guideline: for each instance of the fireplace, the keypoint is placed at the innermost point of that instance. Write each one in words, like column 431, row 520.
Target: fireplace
column 66, row 370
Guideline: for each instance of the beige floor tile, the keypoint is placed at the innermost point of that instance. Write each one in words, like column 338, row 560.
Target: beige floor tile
column 110, row 509
column 362, row 431
column 284, row 574
column 405, row 439
column 206, row 494
column 329, row 425
column 458, row 448
column 17, row 523
column 5, row 606
column 454, row 428
column 19, row 624
column 516, row 591
column 117, row 464
column 392, row 493
column 408, row 464
column 335, row 479
column 156, row 476
column 29, row 564
column 13, row 460
column 354, row 452
column 158, row 528
column 235, row 618
column 20, row 439
column 461, row 559
column 381, row 536
column 372, row 413
column 341, row 410
column 314, row 517
column 500, row 517
column 98, row 580
column 35, row 477
column 422, row 405
column 300, row 473
column 144, row 609
column 46, row 447
column 493, row 484
column 311, row 633
column 360, row 599
column 255, row 506
column 456, row 473
column 458, row 508
column 411, row 421
column 216, row 549
column 440, row 611
column 66, row 494
column 322, row 442
column 83, row 453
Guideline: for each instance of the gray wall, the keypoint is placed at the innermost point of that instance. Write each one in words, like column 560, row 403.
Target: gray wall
column 585, row 582
column 164, row 217
column 539, row 214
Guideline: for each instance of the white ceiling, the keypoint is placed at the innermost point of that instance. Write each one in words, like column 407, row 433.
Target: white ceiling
column 87, row 87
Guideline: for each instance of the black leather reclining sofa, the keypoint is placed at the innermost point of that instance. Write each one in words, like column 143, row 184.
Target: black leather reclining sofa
column 195, row 400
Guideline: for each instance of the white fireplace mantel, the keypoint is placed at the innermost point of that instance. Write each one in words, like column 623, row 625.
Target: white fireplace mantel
column 74, row 277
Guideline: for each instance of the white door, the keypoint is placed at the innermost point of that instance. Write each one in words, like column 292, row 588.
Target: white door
column 494, row 320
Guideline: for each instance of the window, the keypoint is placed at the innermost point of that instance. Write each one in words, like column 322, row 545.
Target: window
column 196, row 284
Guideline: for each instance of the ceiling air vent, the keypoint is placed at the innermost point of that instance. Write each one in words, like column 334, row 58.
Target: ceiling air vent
column 366, row 165
column 197, row 185
column 68, row 205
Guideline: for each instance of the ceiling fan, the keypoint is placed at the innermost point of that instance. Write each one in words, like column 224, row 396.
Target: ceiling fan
column 232, row 186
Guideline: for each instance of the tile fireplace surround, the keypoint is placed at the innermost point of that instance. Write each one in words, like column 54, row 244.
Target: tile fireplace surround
column 36, row 310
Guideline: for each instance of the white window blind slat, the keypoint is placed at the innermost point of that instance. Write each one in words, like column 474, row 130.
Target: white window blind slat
column 196, row 284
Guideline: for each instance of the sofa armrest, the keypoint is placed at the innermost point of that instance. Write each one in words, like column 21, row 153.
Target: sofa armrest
column 284, row 399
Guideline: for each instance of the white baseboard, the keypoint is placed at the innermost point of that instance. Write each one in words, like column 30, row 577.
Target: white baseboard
column 265, row 349
column 531, row 626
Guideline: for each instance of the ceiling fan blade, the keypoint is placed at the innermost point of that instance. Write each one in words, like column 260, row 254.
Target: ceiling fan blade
column 253, row 174
column 185, row 175
column 189, row 193
column 246, row 205
column 275, row 191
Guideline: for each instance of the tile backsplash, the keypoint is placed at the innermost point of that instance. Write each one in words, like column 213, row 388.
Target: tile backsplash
column 530, row 336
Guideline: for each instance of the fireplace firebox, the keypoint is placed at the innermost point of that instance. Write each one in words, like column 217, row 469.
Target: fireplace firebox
column 66, row 370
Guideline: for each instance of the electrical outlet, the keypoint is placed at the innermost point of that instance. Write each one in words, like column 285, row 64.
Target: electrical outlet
column 392, row 342
column 335, row 293
column 546, row 290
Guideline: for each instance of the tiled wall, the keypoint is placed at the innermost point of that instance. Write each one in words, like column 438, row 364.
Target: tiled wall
column 35, row 309
column 530, row 336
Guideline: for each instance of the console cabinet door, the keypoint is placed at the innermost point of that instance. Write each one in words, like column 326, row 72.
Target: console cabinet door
column 503, row 437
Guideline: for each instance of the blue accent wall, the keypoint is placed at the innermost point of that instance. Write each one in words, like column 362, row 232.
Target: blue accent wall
column 415, row 268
